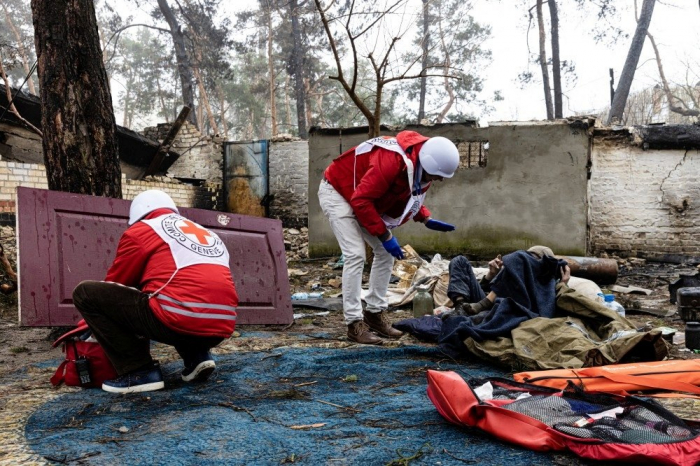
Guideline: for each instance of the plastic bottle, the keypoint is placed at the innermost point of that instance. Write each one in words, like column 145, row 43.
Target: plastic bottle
column 614, row 305
column 422, row 302
column 300, row 296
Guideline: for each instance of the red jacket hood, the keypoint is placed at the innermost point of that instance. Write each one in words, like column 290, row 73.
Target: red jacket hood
column 407, row 139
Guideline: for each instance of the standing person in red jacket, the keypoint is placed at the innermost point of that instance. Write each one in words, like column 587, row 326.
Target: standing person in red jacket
column 365, row 193
column 170, row 282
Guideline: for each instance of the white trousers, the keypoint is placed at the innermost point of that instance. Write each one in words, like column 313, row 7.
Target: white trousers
column 351, row 239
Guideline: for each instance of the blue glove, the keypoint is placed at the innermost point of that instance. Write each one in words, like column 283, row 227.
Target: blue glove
column 392, row 246
column 437, row 225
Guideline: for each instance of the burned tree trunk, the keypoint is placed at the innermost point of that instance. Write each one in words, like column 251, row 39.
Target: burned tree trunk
column 543, row 63
column 298, row 71
column 271, row 73
column 424, row 60
column 625, row 82
column 556, row 62
column 184, row 66
column 80, row 144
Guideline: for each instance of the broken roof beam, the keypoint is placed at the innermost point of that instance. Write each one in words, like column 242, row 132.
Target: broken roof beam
column 164, row 147
column 679, row 137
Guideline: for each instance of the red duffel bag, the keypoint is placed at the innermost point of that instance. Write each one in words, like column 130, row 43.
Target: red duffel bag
column 86, row 364
column 593, row 426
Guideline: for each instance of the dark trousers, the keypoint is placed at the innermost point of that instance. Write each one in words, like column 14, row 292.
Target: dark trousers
column 463, row 282
column 123, row 323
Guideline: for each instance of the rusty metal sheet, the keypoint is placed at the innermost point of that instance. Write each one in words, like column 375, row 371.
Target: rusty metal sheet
column 246, row 177
column 66, row 238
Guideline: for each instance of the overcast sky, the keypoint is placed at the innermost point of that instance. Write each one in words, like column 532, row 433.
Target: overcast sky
column 674, row 26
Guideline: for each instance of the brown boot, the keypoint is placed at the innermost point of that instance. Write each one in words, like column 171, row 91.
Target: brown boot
column 379, row 322
column 359, row 332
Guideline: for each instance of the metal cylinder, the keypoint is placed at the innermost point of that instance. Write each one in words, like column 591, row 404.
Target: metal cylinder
column 692, row 335
column 601, row 271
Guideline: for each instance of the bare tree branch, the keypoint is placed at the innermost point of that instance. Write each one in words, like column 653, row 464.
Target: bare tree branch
column 118, row 32
column 683, row 109
column 13, row 109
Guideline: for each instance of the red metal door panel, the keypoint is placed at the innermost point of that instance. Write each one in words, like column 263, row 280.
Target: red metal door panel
column 66, row 238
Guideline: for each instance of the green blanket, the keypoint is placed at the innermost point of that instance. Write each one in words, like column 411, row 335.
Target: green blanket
column 583, row 333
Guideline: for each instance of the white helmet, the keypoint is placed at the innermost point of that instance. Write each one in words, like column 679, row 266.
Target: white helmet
column 439, row 156
column 147, row 202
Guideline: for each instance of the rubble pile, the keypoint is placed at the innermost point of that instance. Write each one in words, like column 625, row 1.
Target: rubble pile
column 9, row 244
column 296, row 243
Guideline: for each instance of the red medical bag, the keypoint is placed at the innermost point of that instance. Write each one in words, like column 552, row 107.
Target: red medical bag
column 86, row 364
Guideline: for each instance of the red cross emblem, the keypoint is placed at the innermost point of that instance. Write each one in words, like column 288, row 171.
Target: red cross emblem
column 196, row 230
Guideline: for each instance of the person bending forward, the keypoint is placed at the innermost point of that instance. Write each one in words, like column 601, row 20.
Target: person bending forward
column 367, row 192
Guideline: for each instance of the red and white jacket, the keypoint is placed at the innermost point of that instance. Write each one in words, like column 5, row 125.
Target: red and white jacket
column 198, row 299
column 376, row 183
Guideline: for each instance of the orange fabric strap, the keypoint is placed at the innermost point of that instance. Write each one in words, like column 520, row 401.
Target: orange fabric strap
column 645, row 381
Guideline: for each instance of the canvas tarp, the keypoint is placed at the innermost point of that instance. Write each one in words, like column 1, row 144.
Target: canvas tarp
column 584, row 333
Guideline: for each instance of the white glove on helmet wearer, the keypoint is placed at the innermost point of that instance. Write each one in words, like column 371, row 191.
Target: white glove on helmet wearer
column 439, row 156
column 147, row 202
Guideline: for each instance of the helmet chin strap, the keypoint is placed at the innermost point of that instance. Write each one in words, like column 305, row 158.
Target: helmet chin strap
column 418, row 180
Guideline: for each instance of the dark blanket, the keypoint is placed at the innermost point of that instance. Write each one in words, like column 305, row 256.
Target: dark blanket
column 426, row 328
column 525, row 287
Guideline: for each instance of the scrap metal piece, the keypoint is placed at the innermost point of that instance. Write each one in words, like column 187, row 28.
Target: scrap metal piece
column 684, row 281
column 601, row 271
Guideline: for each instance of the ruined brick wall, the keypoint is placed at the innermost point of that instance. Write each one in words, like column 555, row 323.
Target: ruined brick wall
column 643, row 202
column 14, row 174
column 201, row 157
column 289, row 182
column 207, row 196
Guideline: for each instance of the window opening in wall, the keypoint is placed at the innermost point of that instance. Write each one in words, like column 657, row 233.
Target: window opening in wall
column 473, row 154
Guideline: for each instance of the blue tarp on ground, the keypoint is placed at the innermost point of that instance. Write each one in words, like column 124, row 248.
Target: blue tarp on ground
column 250, row 410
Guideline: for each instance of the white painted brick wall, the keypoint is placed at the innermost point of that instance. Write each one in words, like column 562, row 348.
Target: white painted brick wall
column 644, row 201
column 289, row 182
column 13, row 174
column 200, row 157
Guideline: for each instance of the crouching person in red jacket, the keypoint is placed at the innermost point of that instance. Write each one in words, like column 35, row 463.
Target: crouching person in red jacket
column 366, row 193
column 170, row 282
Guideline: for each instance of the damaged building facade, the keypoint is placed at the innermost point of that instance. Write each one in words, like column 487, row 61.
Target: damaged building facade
column 645, row 191
column 579, row 188
column 572, row 185
column 181, row 173
column 192, row 173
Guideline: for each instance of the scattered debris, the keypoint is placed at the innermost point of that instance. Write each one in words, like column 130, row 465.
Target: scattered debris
column 313, row 314
column 293, row 458
column 296, row 243
column 338, row 406
column 406, row 460
column 327, row 304
column 308, row 426
column 629, row 289
column 340, row 263
column 238, row 408
column 335, row 282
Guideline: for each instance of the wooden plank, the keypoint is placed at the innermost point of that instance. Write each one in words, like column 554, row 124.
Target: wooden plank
column 164, row 147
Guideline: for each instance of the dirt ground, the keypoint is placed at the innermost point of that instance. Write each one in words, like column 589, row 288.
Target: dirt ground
column 23, row 346
column 25, row 386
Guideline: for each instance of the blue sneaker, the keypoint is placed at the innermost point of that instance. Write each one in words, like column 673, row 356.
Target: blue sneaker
column 145, row 380
column 198, row 367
